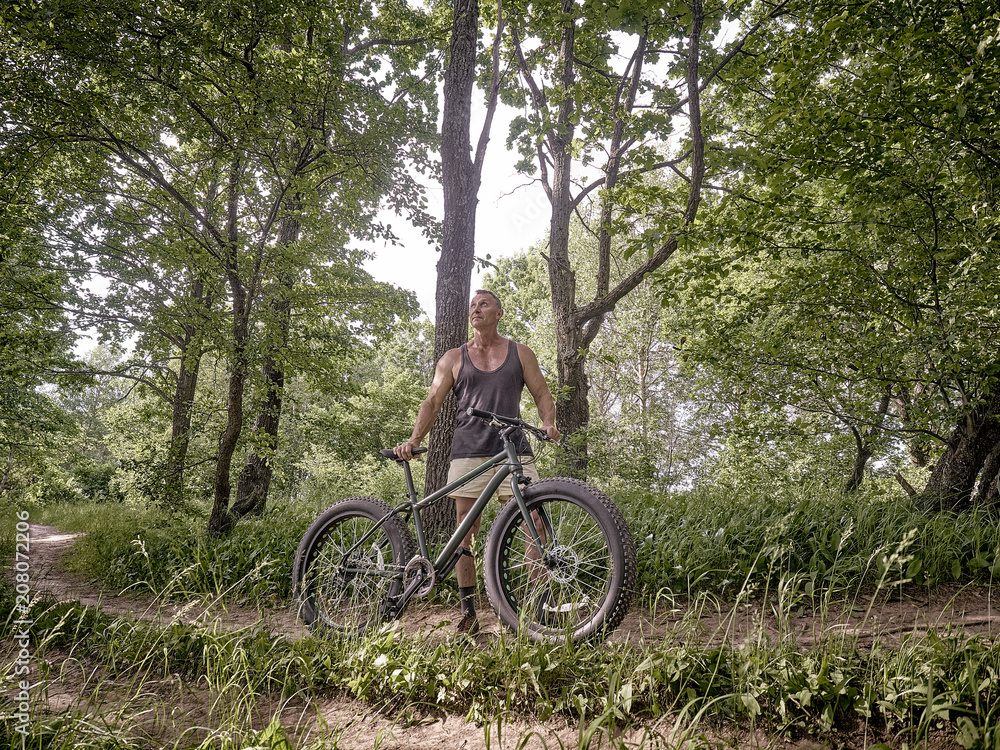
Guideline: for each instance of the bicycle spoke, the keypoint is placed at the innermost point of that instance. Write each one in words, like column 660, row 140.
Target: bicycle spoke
column 343, row 586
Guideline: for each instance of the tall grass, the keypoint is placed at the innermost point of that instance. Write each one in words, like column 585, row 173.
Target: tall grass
column 721, row 541
column 715, row 541
column 766, row 549
column 149, row 552
column 677, row 684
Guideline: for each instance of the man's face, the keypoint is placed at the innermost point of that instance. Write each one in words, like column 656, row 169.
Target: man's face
column 484, row 312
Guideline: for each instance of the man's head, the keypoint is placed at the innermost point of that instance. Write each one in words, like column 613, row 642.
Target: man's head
column 491, row 294
column 485, row 309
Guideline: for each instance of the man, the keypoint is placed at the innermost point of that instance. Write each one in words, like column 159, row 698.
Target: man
column 489, row 373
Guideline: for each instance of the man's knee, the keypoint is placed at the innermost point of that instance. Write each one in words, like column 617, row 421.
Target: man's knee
column 462, row 506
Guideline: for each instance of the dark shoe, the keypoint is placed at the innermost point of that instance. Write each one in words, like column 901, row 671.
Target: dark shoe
column 468, row 625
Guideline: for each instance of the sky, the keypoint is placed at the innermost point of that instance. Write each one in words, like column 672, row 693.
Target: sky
column 513, row 215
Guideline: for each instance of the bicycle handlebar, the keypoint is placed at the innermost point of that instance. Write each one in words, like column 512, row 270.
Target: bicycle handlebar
column 498, row 420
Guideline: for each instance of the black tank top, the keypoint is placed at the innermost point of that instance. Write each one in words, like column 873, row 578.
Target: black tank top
column 497, row 391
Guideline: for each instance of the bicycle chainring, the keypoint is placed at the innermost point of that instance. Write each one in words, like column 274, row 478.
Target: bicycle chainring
column 423, row 568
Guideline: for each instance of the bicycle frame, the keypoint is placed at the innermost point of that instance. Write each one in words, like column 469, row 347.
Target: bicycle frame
column 509, row 467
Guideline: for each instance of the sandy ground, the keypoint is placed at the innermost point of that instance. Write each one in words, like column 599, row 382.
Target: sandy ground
column 356, row 725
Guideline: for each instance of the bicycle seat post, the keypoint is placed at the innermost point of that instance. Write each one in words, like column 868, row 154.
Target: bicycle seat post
column 389, row 453
column 417, row 525
column 409, row 482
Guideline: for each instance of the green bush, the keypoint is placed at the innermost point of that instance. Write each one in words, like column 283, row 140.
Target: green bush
column 96, row 481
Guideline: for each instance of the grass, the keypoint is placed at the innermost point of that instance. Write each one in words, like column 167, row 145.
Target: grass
column 705, row 541
column 723, row 542
column 249, row 677
column 770, row 553
column 149, row 552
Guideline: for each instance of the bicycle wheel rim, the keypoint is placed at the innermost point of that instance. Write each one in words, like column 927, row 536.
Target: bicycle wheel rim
column 349, row 593
column 566, row 592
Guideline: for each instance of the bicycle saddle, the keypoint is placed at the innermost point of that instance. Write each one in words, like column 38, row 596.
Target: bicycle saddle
column 387, row 453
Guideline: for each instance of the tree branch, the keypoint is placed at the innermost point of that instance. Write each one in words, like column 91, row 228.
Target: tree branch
column 383, row 42
column 603, row 305
column 607, row 303
column 491, row 103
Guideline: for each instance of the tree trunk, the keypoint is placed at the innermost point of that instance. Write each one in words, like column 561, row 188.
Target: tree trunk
column 907, row 487
column 184, row 394
column 7, row 469
column 572, row 404
column 973, row 440
column 864, row 438
column 917, row 445
column 988, row 491
column 460, row 179
column 255, row 478
column 220, row 520
column 857, row 475
column 575, row 334
column 180, row 427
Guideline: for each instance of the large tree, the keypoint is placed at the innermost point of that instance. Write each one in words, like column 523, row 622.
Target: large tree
column 862, row 231
column 35, row 348
column 461, row 176
column 589, row 108
column 649, row 424
column 236, row 123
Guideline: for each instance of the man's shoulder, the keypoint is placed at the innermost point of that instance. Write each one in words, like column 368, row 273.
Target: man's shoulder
column 451, row 357
column 523, row 349
column 529, row 362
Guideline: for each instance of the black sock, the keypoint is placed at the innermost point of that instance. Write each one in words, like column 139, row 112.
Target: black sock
column 468, row 596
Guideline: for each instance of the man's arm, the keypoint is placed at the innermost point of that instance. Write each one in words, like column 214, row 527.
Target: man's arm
column 539, row 390
column 444, row 379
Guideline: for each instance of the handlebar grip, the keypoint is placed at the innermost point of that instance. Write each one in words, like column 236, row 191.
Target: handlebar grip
column 473, row 412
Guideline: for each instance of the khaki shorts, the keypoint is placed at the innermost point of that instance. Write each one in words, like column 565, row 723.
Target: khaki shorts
column 461, row 466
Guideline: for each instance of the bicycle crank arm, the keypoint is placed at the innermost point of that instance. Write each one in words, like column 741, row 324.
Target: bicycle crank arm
column 419, row 577
column 406, row 594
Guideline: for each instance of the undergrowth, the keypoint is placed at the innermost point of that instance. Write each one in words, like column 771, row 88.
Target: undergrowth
column 941, row 681
column 720, row 541
column 149, row 552
column 714, row 541
column 780, row 549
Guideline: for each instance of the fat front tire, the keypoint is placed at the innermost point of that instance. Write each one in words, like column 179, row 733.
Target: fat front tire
column 339, row 586
column 582, row 586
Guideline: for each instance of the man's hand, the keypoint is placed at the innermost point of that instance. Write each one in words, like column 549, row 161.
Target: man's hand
column 405, row 450
column 552, row 432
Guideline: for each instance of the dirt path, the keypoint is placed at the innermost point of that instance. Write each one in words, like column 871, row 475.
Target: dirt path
column 358, row 726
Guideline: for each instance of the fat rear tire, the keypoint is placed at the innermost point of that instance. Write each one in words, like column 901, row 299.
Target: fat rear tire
column 343, row 592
